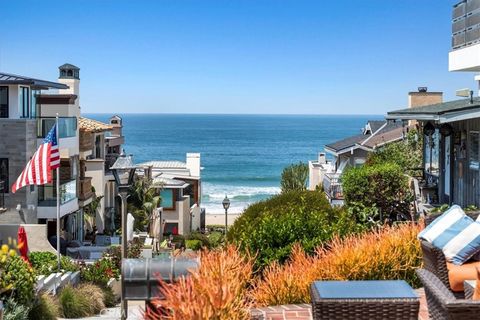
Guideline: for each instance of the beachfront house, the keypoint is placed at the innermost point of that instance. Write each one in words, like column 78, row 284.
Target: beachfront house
column 179, row 185
column 99, row 149
column 353, row 151
column 452, row 129
column 27, row 112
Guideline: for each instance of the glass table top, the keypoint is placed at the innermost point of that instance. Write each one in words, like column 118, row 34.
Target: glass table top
column 376, row 289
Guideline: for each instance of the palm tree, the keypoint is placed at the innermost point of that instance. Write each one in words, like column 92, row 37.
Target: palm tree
column 144, row 198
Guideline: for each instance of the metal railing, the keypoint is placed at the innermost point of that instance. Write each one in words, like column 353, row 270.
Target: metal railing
column 47, row 194
column 67, row 126
column 332, row 186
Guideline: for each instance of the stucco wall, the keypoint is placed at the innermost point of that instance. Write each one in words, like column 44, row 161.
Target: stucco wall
column 95, row 170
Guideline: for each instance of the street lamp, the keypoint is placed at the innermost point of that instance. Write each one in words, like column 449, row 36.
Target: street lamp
column 124, row 170
column 226, row 205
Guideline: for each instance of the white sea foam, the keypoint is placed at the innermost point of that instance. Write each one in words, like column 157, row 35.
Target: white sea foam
column 240, row 196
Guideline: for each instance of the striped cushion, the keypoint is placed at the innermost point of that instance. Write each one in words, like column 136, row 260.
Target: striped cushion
column 456, row 234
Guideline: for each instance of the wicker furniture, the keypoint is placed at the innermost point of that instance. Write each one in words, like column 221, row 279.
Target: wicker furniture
column 369, row 300
column 434, row 259
column 442, row 304
column 469, row 286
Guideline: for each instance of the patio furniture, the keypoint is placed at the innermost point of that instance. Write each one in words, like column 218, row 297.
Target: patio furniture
column 442, row 304
column 434, row 259
column 369, row 300
column 86, row 252
column 469, row 286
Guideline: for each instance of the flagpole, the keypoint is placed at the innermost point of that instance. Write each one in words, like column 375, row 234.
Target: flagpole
column 58, row 198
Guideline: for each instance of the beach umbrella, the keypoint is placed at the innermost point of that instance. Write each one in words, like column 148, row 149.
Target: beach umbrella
column 23, row 243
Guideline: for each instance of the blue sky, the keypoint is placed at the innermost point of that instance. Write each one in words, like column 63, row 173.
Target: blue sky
column 236, row 56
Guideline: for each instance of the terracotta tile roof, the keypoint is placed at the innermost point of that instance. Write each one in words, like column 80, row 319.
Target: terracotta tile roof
column 90, row 125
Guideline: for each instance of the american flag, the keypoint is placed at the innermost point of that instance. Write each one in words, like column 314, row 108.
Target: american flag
column 39, row 169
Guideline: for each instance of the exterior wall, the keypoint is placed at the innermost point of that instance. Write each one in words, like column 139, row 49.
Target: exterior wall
column 465, row 59
column 74, row 88
column 18, row 143
column 95, row 170
column 183, row 208
column 193, row 164
column 63, row 110
column 36, row 236
column 466, row 181
column 196, row 217
column 418, row 99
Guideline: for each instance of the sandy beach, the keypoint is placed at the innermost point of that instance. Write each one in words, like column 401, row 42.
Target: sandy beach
column 219, row 218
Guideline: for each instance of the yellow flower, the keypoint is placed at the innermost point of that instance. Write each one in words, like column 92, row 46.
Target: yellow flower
column 4, row 258
column 12, row 253
column 5, row 248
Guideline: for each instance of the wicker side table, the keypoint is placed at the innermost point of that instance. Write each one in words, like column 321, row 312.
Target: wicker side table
column 369, row 300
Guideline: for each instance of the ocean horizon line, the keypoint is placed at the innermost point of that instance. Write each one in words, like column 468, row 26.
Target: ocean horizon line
column 240, row 114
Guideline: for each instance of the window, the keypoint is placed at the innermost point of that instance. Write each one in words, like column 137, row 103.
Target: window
column 4, row 175
column 431, row 155
column 167, row 199
column 3, row 102
column 24, row 105
column 474, row 155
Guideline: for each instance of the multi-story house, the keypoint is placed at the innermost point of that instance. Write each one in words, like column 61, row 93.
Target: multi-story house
column 100, row 145
column 179, row 185
column 27, row 112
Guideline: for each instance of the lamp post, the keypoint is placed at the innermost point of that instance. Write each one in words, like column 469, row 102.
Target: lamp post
column 226, row 205
column 124, row 170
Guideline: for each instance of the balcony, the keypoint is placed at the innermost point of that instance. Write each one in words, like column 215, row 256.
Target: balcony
column 47, row 200
column 333, row 186
column 85, row 189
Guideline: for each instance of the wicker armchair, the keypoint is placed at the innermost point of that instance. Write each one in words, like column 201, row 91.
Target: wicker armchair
column 442, row 304
column 434, row 259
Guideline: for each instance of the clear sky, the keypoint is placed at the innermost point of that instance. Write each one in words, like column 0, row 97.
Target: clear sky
column 236, row 56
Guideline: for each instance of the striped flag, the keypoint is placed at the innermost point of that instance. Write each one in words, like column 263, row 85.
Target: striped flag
column 39, row 169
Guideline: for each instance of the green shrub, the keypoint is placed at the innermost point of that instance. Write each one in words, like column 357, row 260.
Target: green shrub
column 179, row 241
column 45, row 308
column 45, row 263
column 109, row 298
column 271, row 227
column 294, row 177
column 15, row 310
column 73, row 304
column 17, row 279
column 193, row 244
column 200, row 237
column 100, row 272
column 115, row 252
column 381, row 186
column 216, row 239
column 408, row 154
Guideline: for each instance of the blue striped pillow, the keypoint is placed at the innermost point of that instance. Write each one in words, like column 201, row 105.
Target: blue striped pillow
column 456, row 234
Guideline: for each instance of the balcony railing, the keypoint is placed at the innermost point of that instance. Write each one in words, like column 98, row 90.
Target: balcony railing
column 110, row 160
column 85, row 189
column 67, row 126
column 47, row 194
column 333, row 186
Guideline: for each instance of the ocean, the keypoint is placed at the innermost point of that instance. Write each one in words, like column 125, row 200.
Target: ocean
column 242, row 155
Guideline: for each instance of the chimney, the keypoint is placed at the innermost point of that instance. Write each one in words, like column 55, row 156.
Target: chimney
column 193, row 164
column 423, row 97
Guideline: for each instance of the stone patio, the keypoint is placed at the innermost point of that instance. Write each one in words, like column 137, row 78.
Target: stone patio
column 304, row 311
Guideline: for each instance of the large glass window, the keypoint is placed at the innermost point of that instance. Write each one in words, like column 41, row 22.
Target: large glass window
column 24, row 105
column 3, row 102
column 167, row 198
column 4, row 175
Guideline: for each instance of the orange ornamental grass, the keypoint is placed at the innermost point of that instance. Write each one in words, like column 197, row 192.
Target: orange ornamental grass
column 389, row 253
column 216, row 291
